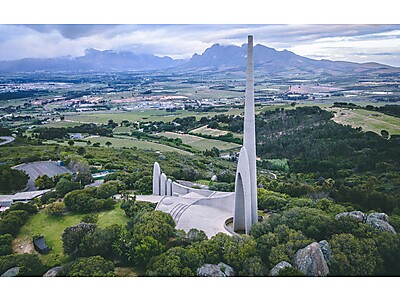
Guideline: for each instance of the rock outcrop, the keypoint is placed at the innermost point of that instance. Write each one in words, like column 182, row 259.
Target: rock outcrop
column 380, row 222
column 326, row 251
column 275, row 270
column 220, row 270
column 13, row 272
column 360, row 216
column 53, row 272
column 311, row 261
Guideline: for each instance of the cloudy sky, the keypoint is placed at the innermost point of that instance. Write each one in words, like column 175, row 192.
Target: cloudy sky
column 358, row 43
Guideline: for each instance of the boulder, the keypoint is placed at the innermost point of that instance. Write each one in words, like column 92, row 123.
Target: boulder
column 226, row 269
column 275, row 270
column 311, row 261
column 360, row 216
column 326, row 251
column 379, row 216
column 220, row 270
column 13, row 272
column 53, row 272
column 380, row 225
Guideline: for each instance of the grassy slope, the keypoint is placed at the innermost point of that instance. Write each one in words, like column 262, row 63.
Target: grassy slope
column 368, row 120
column 119, row 142
column 53, row 227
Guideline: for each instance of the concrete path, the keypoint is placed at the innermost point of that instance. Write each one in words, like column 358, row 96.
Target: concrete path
column 8, row 139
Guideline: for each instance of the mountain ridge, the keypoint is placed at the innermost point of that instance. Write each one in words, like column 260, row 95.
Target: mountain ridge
column 217, row 58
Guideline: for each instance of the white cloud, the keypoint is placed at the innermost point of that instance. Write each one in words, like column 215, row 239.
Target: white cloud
column 345, row 42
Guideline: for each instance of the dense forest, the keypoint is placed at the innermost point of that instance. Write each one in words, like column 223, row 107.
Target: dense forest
column 362, row 167
column 333, row 186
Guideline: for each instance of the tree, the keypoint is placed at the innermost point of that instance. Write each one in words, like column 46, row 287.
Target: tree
column 354, row 256
column 65, row 186
column 175, row 262
column 385, row 134
column 86, row 201
column 44, row 182
column 94, row 266
column 156, row 224
column 146, row 249
column 100, row 242
column 30, row 264
column 213, row 125
column 30, row 208
column 71, row 143
column 108, row 189
column 72, row 237
column 5, row 244
column 12, row 180
column 81, row 150
column 108, row 144
column 90, row 218
column 56, row 209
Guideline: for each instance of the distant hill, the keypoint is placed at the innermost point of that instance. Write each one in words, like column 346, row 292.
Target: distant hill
column 93, row 60
column 216, row 58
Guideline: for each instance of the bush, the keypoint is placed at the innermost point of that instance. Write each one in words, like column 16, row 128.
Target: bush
column 5, row 244
column 72, row 237
column 12, row 180
column 94, row 266
column 12, row 221
column 56, row 209
column 65, row 186
column 86, row 201
column 30, row 264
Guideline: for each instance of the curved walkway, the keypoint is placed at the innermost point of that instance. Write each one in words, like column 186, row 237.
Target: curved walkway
column 8, row 139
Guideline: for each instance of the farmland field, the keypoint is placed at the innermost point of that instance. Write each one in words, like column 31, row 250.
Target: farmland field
column 124, row 141
column 199, row 142
column 367, row 120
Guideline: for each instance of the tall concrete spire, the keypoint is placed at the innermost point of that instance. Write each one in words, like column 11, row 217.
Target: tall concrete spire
column 249, row 137
column 245, row 213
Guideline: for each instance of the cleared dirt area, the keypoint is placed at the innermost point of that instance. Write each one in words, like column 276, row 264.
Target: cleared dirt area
column 205, row 130
column 22, row 245
column 199, row 142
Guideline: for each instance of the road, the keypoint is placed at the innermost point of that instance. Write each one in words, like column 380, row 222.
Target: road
column 8, row 139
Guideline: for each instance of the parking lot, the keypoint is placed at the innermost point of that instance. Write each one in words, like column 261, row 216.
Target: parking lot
column 35, row 169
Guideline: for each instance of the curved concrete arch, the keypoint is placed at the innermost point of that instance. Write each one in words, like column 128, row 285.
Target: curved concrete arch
column 242, row 219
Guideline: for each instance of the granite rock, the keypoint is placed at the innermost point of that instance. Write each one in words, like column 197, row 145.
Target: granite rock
column 380, row 225
column 360, row 216
column 53, row 272
column 326, row 251
column 275, row 270
column 311, row 261
column 220, row 270
column 13, row 272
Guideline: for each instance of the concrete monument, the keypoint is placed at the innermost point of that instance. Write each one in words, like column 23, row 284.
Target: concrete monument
column 213, row 211
column 246, row 174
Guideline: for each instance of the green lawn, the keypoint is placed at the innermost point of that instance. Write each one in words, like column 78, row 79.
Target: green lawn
column 52, row 228
column 367, row 120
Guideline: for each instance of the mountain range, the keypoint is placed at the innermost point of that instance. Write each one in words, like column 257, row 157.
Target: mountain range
column 216, row 58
